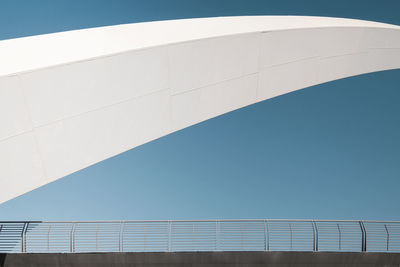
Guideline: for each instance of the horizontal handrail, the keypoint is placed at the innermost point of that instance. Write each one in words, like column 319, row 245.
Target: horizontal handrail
column 199, row 235
column 203, row 220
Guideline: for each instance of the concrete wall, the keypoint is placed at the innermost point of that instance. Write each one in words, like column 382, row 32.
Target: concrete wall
column 197, row 259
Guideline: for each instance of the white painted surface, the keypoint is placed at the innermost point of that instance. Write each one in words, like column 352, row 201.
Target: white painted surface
column 14, row 115
column 69, row 100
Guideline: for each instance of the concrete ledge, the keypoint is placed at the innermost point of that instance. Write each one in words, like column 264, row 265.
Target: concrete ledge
column 194, row 259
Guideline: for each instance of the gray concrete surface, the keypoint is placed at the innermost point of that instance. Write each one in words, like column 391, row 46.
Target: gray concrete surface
column 209, row 259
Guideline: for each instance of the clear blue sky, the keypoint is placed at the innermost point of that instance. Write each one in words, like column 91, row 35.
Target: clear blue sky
column 330, row 151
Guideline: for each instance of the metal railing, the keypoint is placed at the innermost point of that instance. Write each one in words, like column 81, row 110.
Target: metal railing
column 205, row 235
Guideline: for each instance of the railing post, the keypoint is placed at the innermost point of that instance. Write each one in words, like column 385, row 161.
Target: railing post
column 268, row 238
column 217, row 232
column 23, row 238
column 26, row 230
column 48, row 238
column 169, row 236
column 291, row 237
column 340, row 237
column 121, row 237
column 387, row 238
column 363, row 237
column 265, row 236
column 71, row 239
column 315, row 235
column 97, row 234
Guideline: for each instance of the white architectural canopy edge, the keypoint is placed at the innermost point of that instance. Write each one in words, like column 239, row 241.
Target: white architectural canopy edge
column 69, row 100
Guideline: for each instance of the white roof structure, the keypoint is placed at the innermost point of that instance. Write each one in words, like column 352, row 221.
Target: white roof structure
column 69, row 100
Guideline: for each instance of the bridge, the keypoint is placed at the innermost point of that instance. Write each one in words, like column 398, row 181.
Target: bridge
column 70, row 100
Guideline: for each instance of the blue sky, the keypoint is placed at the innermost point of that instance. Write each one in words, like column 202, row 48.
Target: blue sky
column 330, row 151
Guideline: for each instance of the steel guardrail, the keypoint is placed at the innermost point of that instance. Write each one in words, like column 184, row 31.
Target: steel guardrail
column 199, row 235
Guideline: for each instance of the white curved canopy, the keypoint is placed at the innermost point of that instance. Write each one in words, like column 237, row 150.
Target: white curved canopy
column 69, row 100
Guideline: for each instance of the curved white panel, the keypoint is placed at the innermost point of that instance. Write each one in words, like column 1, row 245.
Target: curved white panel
column 69, row 100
